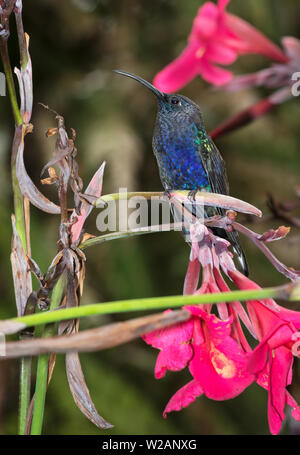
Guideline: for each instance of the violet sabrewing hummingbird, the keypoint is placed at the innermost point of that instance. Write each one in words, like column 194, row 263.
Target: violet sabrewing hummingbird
column 186, row 155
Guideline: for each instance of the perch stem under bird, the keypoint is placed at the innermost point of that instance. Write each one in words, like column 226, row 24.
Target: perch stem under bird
column 187, row 157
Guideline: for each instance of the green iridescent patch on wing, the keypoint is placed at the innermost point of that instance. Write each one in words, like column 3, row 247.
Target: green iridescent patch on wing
column 202, row 139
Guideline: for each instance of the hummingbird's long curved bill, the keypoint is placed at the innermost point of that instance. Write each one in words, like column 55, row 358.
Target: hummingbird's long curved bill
column 158, row 93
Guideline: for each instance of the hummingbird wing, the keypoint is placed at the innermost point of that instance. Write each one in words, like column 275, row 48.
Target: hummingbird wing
column 215, row 168
column 214, row 165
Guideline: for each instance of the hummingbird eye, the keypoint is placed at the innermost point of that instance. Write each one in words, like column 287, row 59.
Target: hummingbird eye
column 175, row 100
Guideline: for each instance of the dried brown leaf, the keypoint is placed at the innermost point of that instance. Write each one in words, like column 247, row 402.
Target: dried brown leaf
column 95, row 339
column 27, row 186
column 289, row 272
column 81, row 392
column 25, row 85
column 274, row 234
column 21, row 275
column 86, row 236
column 9, row 327
column 92, row 191
column 53, row 177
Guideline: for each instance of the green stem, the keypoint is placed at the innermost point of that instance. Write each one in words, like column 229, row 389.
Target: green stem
column 19, row 208
column 124, row 196
column 121, row 235
column 25, row 368
column 43, row 364
column 10, row 81
column 40, row 394
column 21, row 38
column 149, row 304
column 24, row 398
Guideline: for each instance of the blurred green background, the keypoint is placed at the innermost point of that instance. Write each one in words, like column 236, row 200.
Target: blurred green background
column 74, row 45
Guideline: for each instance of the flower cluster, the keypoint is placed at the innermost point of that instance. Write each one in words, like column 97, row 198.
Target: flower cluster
column 214, row 347
column 217, row 37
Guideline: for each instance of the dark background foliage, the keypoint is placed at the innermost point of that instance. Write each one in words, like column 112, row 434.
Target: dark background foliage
column 74, row 46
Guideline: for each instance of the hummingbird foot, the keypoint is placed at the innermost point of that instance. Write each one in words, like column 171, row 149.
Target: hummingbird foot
column 167, row 194
column 192, row 195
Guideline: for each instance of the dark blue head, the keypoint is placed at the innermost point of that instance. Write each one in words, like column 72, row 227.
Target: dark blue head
column 172, row 107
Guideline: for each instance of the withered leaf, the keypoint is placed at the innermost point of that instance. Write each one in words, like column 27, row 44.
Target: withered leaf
column 274, row 234
column 9, row 327
column 93, row 190
column 81, row 392
column 53, row 177
column 59, row 155
column 96, row 339
column 27, row 186
column 21, row 274
column 282, row 268
column 25, row 85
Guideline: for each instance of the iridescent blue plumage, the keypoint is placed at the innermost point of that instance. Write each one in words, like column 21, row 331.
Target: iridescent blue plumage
column 179, row 162
column 187, row 157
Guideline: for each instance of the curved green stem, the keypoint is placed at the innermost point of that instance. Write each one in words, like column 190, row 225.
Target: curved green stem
column 42, row 366
column 154, row 303
column 24, row 397
column 10, row 81
column 25, row 368
column 122, row 235
column 40, row 394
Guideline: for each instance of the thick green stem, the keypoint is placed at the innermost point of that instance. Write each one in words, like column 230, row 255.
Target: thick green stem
column 24, row 397
column 40, row 394
column 19, row 208
column 43, row 364
column 22, row 39
column 122, row 235
column 25, row 368
column 152, row 304
column 10, row 81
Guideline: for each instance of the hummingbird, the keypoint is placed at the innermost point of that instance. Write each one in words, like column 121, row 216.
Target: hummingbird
column 186, row 155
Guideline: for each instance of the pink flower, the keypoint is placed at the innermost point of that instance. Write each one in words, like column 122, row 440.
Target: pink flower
column 214, row 346
column 272, row 359
column 216, row 37
column 216, row 361
column 209, row 345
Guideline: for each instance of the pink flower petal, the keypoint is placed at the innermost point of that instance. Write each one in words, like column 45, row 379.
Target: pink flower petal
column 183, row 397
column 290, row 316
column 294, row 405
column 174, row 344
column 180, row 72
column 219, row 53
column 263, row 380
column 219, row 364
column 222, row 5
column 252, row 40
column 292, row 47
column 280, row 366
column 191, row 277
column 258, row 358
column 176, row 334
column 173, row 358
column 206, row 22
column 213, row 74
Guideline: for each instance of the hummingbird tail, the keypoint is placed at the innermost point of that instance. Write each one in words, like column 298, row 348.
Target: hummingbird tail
column 242, row 260
column 233, row 238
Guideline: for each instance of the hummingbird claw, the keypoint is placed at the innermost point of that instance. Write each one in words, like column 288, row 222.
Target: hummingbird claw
column 167, row 194
column 192, row 195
